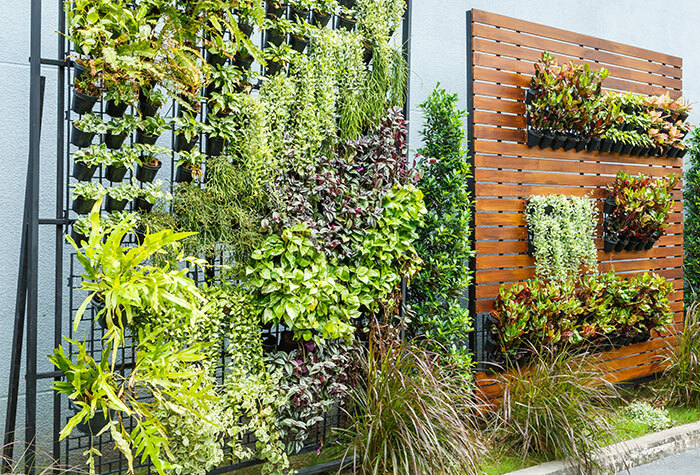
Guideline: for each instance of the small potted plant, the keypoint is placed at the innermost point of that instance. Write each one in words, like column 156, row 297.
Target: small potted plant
column 187, row 130
column 299, row 37
column 119, row 196
column 118, row 129
column 81, row 230
column 119, row 163
column 219, row 51
column 346, row 22
column 85, row 195
column 86, row 161
column 118, row 98
column 221, row 130
column 299, row 11
column 85, row 95
column 275, row 8
column 243, row 59
column 148, row 164
column 85, row 129
column 150, row 100
column 278, row 57
column 322, row 12
column 189, row 166
column 149, row 129
column 276, row 33
column 149, row 195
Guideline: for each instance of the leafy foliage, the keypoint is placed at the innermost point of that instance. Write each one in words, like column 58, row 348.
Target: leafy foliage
column 594, row 309
column 563, row 229
column 436, row 291
column 644, row 413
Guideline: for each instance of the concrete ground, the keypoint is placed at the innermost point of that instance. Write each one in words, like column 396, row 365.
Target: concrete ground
column 684, row 463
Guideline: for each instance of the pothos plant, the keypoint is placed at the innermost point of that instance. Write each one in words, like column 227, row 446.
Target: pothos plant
column 562, row 230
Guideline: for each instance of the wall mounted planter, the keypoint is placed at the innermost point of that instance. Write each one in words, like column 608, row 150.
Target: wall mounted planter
column 146, row 173
column 82, row 172
column 115, row 173
column 142, row 204
column 319, row 19
column 183, row 174
column 79, row 138
column 115, row 110
column 82, row 205
column 114, row 205
column 142, row 137
column 83, row 103
column 114, row 142
column 182, row 145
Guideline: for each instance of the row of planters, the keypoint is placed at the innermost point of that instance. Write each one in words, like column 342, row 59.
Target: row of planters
column 603, row 311
column 568, row 110
column 85, row 195
column 145, row 159
column 636, row 212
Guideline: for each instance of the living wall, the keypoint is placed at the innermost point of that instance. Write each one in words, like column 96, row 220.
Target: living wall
column 288, row 228
column 691, row 224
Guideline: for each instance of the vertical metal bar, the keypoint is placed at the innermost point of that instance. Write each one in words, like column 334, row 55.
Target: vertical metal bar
column 406, row 37
column 60, row 161
column 33, row 232
column 470, row 148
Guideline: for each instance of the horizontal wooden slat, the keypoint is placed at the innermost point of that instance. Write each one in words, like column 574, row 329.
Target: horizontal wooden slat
column 486, row 147
column 533, row 55
column 515, row 204
column 573, row 51
column 495, row 90
column 481, row 16
column 489, row 103
column 495, row 133
column 518, row 219
column 523, row 191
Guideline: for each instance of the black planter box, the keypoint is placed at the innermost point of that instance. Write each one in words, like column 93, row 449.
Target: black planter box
column 581, row 145
column 626, row 149
column 83, row 206
column 533, row 138
column 641, row 244
column 547, row 141
column 78, row 237
column 147, row 109
column 609, row 205
column 631, row 244
column 621, row 243
column 346, row 23
column 273, row 11
column 246, row 29
column 635, row 150
column 673, row 152
column 115, row 173
column 182, row 145
column 114, row 142
column 299, row 44
column 298, row 13
column 115, row 205
column 141, row 137
column 82, row 103
column 320, row 19
column 530, row 94
column 609, row 243
column 83, row 172
column 183, row 174
column 594, row 144
column 272, row 38
column 650, row 243
column 243, row 63
column 81, row 72
column 559, row 141
column 682, row 153
column 605, row 146
column 142, row 204
column 571, row 142
column 348, row 3
column 215, row 146
column 79, row 138
column 114, row 110
column 216, row 59
column 146, row 173
column 617, row 147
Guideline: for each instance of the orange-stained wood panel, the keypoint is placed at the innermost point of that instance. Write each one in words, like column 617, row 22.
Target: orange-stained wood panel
column 506, row 171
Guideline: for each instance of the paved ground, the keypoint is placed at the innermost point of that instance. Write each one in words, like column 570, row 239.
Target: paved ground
column 685, row 463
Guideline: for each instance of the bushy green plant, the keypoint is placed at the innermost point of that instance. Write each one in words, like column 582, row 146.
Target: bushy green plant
column 436, row 292
column 410, row 414
column 563, row 229
column 91, row 123
column 89, row 191
column 691, row 224
column 125, row 191
column 644, row 413
column 595, row 309
column 94, row 155
column 558, row 406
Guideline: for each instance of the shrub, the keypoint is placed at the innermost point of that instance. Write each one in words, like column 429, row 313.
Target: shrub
column 435, row 293
column 691, row 225
column 408, row 416
column 562, row 229
column 644, row 413
column 680, row 383
column 558, row 406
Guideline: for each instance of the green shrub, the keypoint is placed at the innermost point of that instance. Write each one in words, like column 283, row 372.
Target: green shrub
column 444, row 240
column 644, row 413
column 558, row 406
column 691, row 223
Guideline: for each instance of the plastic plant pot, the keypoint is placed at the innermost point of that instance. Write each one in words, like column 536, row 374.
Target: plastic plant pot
column 82, row 205
column 115, row 173
column 609, row 243
column 530, row 94
column 320, row 20
column 276, row 11
column 79, row 138
column 533, row 138
column 182, row 145
column 114, row 142
column 298, row 14
column 626, row 149
column 78, row 237
column 114, row 110
column 215, row 146
column 146, row 173
column 243, row 63
column 81, row 71
column 143, row 138
column 547, row 141
column 142, row 204
column 82, row 172
column 621, row 243
column 299, row 44
column 115, row 205
column 146, row 108
column 631, row 244
column 609, row 205
column 571, row 142
column 183, row 174
column 606, row 145
column 94, row 425
column 346, row 23
column 272, row 38
column 83, row 103
column 216, row 59
column 559, row 141
column 581, row 145
column 617, row 147
column 594, row 144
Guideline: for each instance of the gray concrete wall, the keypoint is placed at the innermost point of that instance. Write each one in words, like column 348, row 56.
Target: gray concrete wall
column 438, row 55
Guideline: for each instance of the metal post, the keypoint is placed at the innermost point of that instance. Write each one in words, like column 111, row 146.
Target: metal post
column 470, row 147
column 33, row 234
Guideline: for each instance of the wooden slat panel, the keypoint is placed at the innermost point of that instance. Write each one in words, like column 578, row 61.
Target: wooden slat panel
column 572, row 51
column 489, row 103
column 564, row 35
column 515, row 204
column 523, row 191
column 518, row 219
